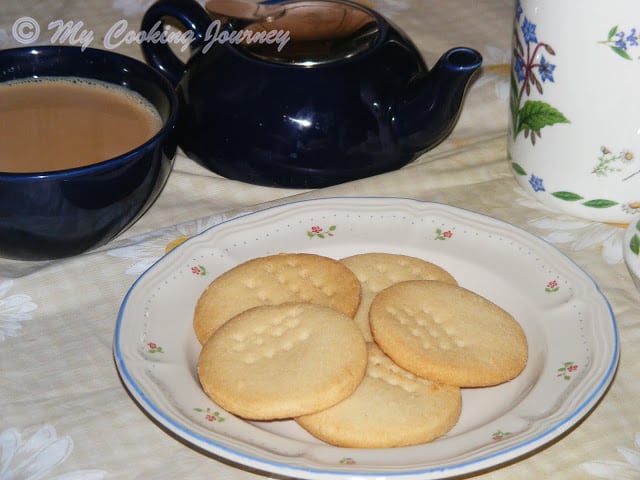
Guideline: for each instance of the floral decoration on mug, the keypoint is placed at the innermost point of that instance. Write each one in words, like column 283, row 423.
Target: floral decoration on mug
column 603, row 168
column 609, row 163
column 620, row 41
column 531, row 68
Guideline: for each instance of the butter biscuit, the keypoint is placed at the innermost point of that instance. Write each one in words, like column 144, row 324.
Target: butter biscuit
column 275, row 279
column 281, row 361
column 390, row 408
column 448, row 334
column 377, row 271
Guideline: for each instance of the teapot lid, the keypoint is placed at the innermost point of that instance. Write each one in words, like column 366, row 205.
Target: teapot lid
column 301, row 32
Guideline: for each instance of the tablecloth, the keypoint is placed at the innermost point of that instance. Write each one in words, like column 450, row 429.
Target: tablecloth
column 64, row 413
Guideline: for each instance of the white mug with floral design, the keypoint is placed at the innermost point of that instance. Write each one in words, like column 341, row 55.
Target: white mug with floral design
column 574, row 139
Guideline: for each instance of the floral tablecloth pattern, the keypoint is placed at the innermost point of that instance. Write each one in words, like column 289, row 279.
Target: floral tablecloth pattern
column 63, row 411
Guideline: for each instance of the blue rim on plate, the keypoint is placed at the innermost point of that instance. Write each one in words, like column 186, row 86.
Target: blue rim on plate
column 571, row 329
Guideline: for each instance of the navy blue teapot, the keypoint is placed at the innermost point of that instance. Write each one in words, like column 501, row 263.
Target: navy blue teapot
column 304, row 93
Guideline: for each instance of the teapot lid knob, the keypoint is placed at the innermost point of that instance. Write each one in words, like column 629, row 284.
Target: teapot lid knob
column 318, row 31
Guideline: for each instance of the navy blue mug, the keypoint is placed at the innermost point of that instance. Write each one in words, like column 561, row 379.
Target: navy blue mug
column 50, row 215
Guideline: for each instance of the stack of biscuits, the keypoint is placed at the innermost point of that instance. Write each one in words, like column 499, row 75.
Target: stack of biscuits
column 370, row 351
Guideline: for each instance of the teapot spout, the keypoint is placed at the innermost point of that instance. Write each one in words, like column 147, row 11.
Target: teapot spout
column 429, row 106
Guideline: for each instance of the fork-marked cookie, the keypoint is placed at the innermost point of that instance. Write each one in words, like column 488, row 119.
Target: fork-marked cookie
column 448, row 334
column 280, row 361
column 390, row 408
column 275, row 279
column 377, row 271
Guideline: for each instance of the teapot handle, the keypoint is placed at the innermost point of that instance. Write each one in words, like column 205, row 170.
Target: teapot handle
column 159, row 54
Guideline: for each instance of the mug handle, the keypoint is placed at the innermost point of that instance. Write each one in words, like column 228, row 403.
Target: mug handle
column 159, row 54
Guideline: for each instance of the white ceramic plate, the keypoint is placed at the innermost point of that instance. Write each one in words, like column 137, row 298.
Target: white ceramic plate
column 568, row 322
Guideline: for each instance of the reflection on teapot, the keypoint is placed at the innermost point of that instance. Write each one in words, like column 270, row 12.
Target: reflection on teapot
column 347, row 96
column 319, row 31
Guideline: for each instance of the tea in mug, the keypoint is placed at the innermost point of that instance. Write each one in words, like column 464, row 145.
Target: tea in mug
column 57, row 123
